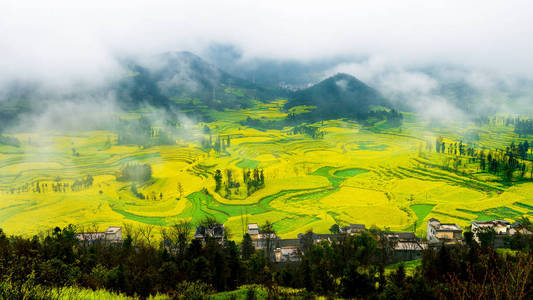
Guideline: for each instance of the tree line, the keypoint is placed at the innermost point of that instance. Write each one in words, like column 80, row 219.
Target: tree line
column 56, row 186
column 218, row 144
column 523, row 127
column 349, row 267
column 503, row 162
column 141, row 132
column 135, row 172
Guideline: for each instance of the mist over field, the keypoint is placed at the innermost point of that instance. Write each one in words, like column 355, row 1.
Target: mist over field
column 464, row 52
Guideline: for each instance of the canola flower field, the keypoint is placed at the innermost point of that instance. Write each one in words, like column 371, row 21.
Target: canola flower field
column 371, row 175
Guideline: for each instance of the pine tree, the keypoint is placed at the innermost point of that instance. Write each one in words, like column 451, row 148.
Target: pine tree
column 247, row 247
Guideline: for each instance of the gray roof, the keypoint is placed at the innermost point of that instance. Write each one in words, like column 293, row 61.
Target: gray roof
column 356, row 226
column 289, row 243
column 401, row 235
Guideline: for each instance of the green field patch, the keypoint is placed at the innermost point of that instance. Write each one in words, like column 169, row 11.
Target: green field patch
column 289, row 224
column 313, row 196
column 248, row 163
column 520, row 204
column 450, row 215
column 501, row 212
column 325, row 172
column 199, row 209
column 346, row 173
column 421, row 211
column 160, row 221
column 364, row 145
column 265, row 201
column 203, row 205
column 410, row 266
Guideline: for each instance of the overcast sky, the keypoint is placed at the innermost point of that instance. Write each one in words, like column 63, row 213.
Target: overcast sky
column 80, row 39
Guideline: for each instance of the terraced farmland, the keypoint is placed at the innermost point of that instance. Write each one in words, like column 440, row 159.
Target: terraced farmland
column 354, row 174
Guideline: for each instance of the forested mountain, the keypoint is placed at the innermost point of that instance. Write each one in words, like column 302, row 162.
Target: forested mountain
column 180, row 80
column 187, row 80
column 341, row 95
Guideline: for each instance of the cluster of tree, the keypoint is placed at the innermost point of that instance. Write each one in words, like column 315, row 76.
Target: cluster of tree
column 58, row 186
column 9, row 140
column 141, row 132
column 21, row 189
column 78, row 185
column 260, row 124
column 393, row 117
column 135, row 172
column 313, row 132
column 521, row 149
column 503, row 162
column 219, row 144
column 523, row 127
column 136, row 192
column 75, row 153
column 453, row 148
column 349, row 267
column 253, row 179
column 81, row 184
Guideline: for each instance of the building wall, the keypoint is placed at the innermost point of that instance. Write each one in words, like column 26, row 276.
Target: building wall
column 430, row 233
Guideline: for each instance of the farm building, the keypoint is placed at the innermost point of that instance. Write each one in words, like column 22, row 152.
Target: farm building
column 288, row 250
column 213, row 231
column 405, row 245
column 112, row 235
column 353, row 229
column 446, row 233
column 260, row 239
column 253, row 229
column 319, row 237
column 502, row 230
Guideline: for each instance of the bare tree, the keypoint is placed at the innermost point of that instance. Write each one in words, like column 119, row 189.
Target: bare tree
column 132, row 231
column 269, row 236
column 146, row 233
column 506, row 281
column 180, row 190
column 176, row 237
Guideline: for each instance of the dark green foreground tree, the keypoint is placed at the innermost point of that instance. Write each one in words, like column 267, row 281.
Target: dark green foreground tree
column 350, row 267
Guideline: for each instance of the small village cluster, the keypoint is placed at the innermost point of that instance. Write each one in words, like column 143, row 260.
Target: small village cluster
column 404, row 245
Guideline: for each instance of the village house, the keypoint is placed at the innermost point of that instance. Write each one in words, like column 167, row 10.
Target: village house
column 283, row 250
column 253, row 229
column 405, row 245
column 444, row 233
column 213, row 231
column 322, row 237
column 353, row 229
column 111, row 235
column 288, row 250
column 517, row 227
column 260, row 240
column 502, row 229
